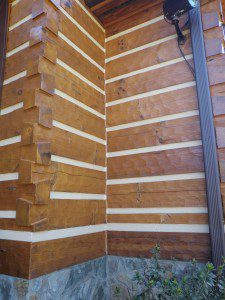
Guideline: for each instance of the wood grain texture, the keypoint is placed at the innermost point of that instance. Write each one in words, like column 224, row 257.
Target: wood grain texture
column 153, row 107
column 81, row 40
column 47, row 257
column 146, row 82
column 163, row 133
column 181, row 193
column 78, row 89
column 181, row 246
column 178, row 161
column 72, row 213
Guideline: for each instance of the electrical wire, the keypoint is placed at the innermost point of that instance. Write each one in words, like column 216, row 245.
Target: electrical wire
column 187, row 62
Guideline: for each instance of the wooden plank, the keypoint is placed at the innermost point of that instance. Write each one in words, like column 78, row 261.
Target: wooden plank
column 146, row 82
column 145, row 58
column 71, row 213
column 139, row 38
column 14, row 258
column 178, row 161
column 132, row 15
column 11, row 124
column 47, row 257
column 181, row 246
column 80, row 64
column 182, row 193
column 81, row 40
column 77, row 13
column 153, row 107
column 168, row 132
column 159, row 218
column 77, row 117
column 66, row 144
column 76, row 88
column 19, row 11
column 10, row 224
column 9, row 158
column 9, row 192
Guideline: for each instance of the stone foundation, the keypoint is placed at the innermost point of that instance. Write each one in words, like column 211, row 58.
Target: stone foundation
column 93, row 280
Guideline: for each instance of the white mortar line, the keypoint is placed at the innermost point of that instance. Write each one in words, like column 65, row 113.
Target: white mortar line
column 7, row 214
column 134, row 227
column 26, row 236
column 173, row 146
column 9, row 176
column 69, row 42
column 84, row 79
column 154, row 120
column 27, row 18
column 152, row 21
column 157, row 210
column 76, row 196
column 143, row 47
column 82, row 29
column 151, row 93
column 15, row 77
column 17, row 49
column 10, row 141
column 90, row 15
column 15, row 2
column 151, row 68
column 80, row 104
column 76, row 163
column 78, row 132
column 174, row 177
column 11, row 108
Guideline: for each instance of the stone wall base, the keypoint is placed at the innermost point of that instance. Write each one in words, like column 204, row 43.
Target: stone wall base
column 94, row 280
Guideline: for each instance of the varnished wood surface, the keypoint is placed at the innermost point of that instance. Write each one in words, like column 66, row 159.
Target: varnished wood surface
column 181, row 246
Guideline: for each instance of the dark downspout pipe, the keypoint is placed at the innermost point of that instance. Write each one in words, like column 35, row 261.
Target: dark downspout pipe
column 215, row 209
column 3, row 36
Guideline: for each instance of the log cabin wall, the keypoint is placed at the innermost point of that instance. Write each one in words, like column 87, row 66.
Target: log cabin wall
column 155, row 185
column 52, row 139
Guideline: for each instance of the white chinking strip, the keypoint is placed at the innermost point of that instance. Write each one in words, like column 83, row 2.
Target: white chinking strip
column 76, row 163
column 151, row 68
column 154, row 120
column 76, row 196
column 7, row 214
column 15, row 2
column 10, row 141
column 152, row 93
column 78, row 132
column 178, row 228
column 17, row 49
column 72, row 71
column 27, row 18
column 160, row 18
column 15, row 77
column 78, row 103
column 10, row 109
column 143, row 47
column 174, row 177
column 157, row 210
column 155, row 148
column 9, row 176
column 81, row 29
column 26, row 236
column 69, row 42
column 90, row 15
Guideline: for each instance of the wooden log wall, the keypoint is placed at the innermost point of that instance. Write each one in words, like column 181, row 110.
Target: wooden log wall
column 155, row 185
column 53, row 125
column 52, row 139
